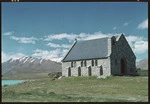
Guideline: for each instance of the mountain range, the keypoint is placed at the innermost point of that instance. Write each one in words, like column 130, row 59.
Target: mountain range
column 143, row 64
column 28, row 64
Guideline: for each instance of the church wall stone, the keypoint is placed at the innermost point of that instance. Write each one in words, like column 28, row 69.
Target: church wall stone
column 95, row 70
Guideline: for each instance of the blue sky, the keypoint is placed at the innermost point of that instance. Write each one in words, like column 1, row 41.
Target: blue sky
column 48, row 29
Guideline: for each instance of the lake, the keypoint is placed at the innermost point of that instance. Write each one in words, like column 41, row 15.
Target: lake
column 11, row 82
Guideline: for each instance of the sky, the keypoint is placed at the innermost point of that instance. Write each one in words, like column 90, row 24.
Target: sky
column 48, row 29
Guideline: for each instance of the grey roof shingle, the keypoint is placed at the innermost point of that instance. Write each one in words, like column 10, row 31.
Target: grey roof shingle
column 96, row 48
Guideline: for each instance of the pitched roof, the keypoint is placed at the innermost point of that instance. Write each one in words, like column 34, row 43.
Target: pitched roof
column 88, row 49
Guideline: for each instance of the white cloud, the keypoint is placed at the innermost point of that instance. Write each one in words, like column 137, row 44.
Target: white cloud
column 60, row 37
column 141, row 47
column 138, row 44
column 143, row 25
column 114, row 28
column 125, row 24
column 97, row 35
column 72, row 37
column 132, row 39
column 94, row 36
column 58, row 46
column 8, row 33
column 65, row 46
column 6, row 56
column 54, row 55
column 24, row 39
column 64, row 52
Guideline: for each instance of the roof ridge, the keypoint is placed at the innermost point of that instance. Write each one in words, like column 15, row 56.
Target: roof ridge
column 102, row 37
column 93, row 39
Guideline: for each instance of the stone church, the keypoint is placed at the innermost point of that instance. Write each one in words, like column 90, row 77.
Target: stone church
column 99, row 57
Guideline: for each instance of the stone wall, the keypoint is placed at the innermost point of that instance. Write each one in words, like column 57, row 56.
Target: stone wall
column 122, row 50
column 102, row 64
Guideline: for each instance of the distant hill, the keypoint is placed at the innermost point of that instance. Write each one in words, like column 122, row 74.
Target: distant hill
column 29, row 65
column 143, row 64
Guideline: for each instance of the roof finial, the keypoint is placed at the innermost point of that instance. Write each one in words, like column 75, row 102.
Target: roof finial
column 75, row 39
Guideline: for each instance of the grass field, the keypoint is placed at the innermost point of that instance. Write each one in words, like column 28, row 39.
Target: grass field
column 79, row 89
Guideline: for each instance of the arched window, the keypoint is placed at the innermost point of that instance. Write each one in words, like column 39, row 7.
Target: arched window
column 89, row 71
column 72, row 64
column 75, row 64
column 69, row 71
column 92, row 62
column 84, row 63
column 81, row 63
column 96, row 63
column 79, row 71
column 101, row 70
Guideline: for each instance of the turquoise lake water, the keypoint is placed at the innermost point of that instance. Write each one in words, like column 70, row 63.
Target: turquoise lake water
column 11, row 82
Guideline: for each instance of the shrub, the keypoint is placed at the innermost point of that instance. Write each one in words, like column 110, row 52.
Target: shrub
column 5, row 85
column 138, row 68
column 55, row 74
column 51, row 93
column 143, row 72
column 137, row 73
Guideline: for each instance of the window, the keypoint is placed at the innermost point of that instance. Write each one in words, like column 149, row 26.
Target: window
column 101, row 70
column 75, row 64
column 84, row 63
column 96, row 63
column 69, row 71
column 79, row 71
column 89, row 71
column 81, row 63
column 72, row 64
column 92, row 62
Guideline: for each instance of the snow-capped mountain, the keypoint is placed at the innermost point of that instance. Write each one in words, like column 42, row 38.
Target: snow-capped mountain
column 29, row 64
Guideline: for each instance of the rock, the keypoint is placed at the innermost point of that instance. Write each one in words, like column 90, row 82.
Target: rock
column 103, row 77
column 60, row 77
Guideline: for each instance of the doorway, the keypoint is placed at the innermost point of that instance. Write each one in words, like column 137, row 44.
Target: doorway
column 123, row 66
